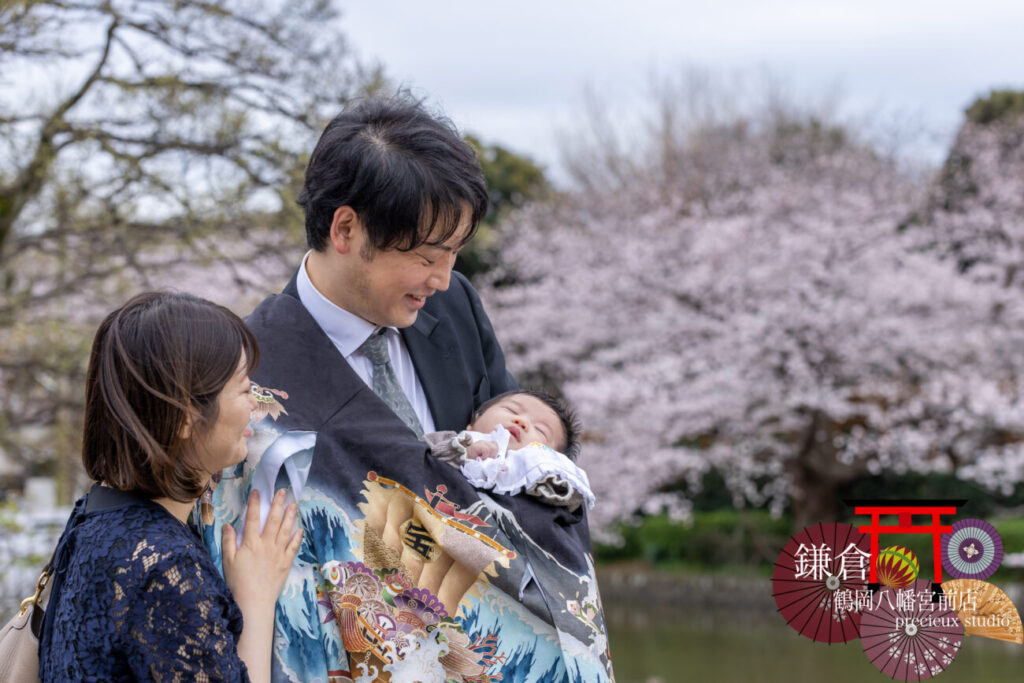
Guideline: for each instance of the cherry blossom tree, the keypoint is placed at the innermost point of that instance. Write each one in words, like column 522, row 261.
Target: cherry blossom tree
column 975, row 209
column 974, row 219
column 143, row 143
column 741, row 298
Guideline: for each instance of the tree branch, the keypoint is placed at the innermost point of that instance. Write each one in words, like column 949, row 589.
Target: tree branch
column 30, row 181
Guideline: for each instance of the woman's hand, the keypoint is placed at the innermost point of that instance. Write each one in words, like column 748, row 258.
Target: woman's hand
column 256, row 571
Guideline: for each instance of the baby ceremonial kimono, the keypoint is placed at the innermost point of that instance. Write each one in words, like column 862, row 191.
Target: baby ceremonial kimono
column 537, row 469
column 406, row 572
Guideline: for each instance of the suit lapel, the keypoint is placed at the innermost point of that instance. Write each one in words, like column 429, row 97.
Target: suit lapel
column 434, row 348
column 302, row 361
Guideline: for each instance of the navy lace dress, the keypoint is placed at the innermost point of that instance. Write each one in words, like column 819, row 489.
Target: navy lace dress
column 139, row 599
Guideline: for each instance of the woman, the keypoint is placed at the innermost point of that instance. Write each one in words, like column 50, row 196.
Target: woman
column 136, row 596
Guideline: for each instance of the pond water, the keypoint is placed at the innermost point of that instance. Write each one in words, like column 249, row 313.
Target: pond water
column 662, row 628
column 659, row 645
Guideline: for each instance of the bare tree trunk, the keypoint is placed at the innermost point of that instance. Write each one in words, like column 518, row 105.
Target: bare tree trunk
column 816, row 499
column 818, row 475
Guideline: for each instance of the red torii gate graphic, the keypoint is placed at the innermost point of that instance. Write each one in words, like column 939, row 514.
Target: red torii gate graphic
column 905, row 510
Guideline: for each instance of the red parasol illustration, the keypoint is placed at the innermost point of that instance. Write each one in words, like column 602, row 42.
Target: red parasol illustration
column 819, row 579
column 907, row 636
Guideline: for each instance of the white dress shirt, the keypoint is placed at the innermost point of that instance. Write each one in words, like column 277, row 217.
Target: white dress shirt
column 348, row 332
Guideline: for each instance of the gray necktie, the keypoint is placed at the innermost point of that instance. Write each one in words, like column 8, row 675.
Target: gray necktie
column 385, row 384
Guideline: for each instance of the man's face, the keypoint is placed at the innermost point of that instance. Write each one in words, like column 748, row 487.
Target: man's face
column 390, row 287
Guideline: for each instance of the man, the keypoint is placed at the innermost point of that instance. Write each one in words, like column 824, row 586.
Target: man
column 406, row 572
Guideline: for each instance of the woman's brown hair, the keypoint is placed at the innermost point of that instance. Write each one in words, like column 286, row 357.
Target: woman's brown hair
column 157, row 365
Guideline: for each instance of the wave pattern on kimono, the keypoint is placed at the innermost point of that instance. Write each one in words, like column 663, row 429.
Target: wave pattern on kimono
column 406, row 572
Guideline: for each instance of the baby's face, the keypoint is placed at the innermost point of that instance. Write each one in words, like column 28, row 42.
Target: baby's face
column 526, row 418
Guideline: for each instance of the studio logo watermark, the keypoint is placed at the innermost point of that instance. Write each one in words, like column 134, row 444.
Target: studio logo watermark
column 839, row 583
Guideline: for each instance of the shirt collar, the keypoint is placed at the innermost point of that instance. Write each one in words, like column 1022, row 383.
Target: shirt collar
column 347, row 330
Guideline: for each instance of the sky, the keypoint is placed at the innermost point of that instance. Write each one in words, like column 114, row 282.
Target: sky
column 516, row 73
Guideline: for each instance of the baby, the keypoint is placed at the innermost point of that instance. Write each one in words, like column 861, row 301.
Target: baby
column 517, row 442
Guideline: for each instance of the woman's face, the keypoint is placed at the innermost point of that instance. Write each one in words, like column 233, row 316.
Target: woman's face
column 224, row 444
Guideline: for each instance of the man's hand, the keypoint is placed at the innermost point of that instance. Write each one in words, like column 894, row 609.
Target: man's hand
column 481, row 450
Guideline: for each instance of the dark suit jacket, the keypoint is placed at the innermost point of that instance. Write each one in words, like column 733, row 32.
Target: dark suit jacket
column 456, row 355
column 359, row 441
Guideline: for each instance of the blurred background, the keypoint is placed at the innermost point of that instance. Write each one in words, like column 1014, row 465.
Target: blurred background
column 772, row 251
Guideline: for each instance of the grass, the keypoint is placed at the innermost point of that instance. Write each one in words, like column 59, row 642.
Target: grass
column 747, row 543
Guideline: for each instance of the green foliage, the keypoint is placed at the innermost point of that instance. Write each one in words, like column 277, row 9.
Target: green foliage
column 1011, row 531
column 720, row 538
column 7, row 522
column 797, row 141
column 512, row 180
column 710, row 540
column 713, row 494
column 981, row 503
column 998, row 105
column 710, row 493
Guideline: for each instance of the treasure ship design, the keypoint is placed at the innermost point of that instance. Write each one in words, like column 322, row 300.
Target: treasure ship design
column 396, row 607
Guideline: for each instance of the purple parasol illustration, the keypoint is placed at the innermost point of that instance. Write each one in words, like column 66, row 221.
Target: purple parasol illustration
column 974, row 550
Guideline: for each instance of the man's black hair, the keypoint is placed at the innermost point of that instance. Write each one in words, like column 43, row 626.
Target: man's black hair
column 403, row 171
column 570, row 421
